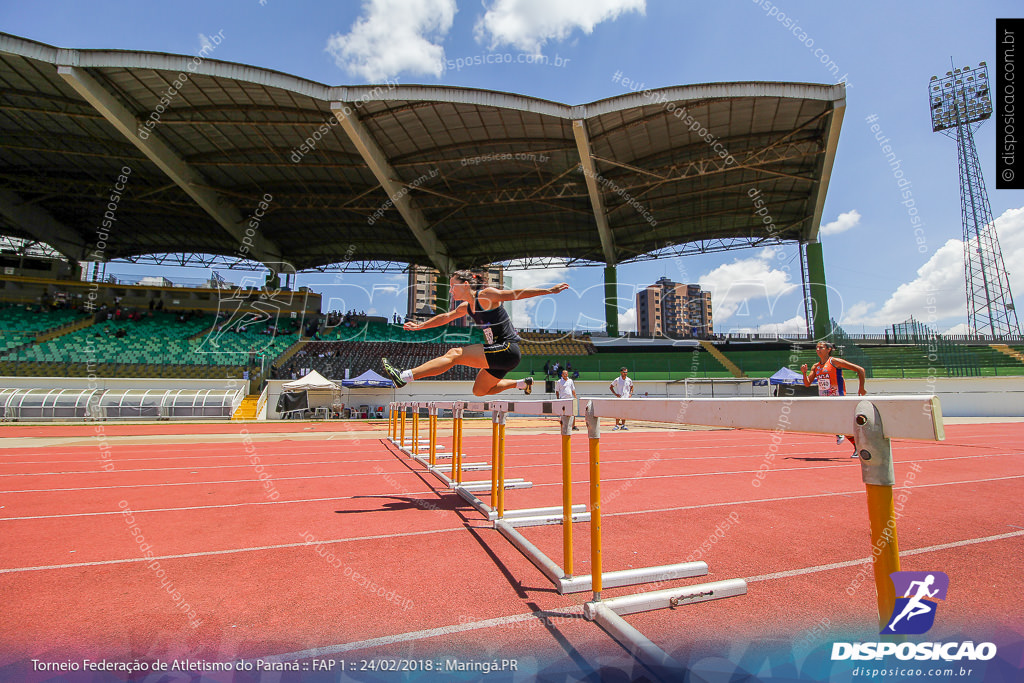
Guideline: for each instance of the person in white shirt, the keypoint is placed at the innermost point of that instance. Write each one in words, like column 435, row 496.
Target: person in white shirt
column 566, row 388
column 621, row 386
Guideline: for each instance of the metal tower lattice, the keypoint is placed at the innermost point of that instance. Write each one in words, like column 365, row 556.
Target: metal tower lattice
column 960, row 102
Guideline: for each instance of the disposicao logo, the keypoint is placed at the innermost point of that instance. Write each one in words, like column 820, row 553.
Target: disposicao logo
column 914, row 612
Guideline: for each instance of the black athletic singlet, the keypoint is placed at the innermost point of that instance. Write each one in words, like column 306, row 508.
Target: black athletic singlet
column 501, row 341
column 495, row 323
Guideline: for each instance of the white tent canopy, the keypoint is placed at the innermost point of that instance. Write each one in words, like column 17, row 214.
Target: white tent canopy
column 311, row 382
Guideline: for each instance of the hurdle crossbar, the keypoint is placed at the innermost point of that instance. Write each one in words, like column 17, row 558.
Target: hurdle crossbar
column 905, row 417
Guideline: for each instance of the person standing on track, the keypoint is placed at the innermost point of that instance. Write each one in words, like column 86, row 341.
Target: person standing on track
column 497, row 356
column 621, row 386
column 828, row 374
column 566, row 388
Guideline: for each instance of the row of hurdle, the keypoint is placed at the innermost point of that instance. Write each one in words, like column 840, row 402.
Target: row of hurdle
column 873, row 424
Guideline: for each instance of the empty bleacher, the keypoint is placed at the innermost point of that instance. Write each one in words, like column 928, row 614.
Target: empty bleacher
column 556, row 344
column 332, row 358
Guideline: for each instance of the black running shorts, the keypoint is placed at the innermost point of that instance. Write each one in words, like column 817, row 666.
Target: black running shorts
column 501, row 358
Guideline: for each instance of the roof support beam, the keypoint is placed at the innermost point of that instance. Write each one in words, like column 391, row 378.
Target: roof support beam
column 579, row 131
column 398, row 192
column 38, row 222
column 183, row 175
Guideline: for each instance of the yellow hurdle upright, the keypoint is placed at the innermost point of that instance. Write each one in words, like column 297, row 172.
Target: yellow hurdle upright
column 456, row 426
column 432, row 435
column 401, row 440
column 567, row 495
column 415, row 431
column 494, row 460
column 501, row 465
column 457, row 456
column 877, row 472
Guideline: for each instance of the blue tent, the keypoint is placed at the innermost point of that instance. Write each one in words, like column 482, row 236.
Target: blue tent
column 368, row 379
column 786, row 376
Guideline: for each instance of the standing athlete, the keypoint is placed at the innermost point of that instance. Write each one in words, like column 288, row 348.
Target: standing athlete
column 621, row 386
column 497, row 356
column 828, row 373
column 566, row 388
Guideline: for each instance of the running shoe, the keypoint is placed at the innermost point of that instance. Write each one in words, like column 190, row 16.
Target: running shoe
column 855, row 454
column 393, row 374
column 625, row 428
column 615, row 428
column 839, row 439
column 529, row 385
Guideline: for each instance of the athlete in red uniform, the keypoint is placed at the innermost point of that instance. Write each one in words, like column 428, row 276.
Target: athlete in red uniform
column 497, row 356
column 828, row 374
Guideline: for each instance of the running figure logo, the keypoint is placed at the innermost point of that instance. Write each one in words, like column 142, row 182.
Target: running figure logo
column 916, row 604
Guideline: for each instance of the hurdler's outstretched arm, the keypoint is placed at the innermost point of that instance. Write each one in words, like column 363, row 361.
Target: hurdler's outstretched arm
column 439, row 319
column 517, row 294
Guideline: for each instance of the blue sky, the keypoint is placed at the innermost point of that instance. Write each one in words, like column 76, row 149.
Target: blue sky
column 877, row 271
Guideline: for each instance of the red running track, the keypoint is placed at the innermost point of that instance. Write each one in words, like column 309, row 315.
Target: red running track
column 361, row 554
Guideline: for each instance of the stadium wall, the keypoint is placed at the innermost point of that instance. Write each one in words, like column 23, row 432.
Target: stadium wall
column 960, row 396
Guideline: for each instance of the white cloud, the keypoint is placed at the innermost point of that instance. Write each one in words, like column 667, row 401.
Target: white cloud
column 960, row 328
column 525, row 313
column 393, row 36
column 204, row 43
column 845, row 221
column 627, row 320
column 733, row 285
column 938, row 291
column 529, row 24
column 795, row 325
column 521, row 317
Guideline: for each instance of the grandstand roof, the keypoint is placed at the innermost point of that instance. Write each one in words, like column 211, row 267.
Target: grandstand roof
column 475, row 176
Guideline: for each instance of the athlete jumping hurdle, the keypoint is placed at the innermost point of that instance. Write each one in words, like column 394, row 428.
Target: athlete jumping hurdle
column 497, row 356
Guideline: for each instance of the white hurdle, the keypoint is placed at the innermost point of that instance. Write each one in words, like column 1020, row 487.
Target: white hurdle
column 872, row 421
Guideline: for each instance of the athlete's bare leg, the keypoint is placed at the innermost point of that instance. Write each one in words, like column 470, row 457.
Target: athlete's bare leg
column 473, row 356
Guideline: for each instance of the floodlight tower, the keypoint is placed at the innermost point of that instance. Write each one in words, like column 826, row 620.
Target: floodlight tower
column 959, row 103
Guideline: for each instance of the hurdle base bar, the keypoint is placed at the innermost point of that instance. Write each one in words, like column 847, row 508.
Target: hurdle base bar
column 668, row 598
column 511, row 515
column 480, row 506
column 545, row 520
column 636, row 643
column 475, row 486
column 578, row 584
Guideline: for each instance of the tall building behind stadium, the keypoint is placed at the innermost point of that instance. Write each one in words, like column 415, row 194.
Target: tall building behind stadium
column 671, row 309
column 422, row 292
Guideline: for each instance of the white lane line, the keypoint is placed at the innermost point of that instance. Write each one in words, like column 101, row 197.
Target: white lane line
column 201, row 483
column 867, row 560
column 191, row 468
column 415, row 472
column 815, row 495
column 230, row 551
column 574, row 612
column 227, row 505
